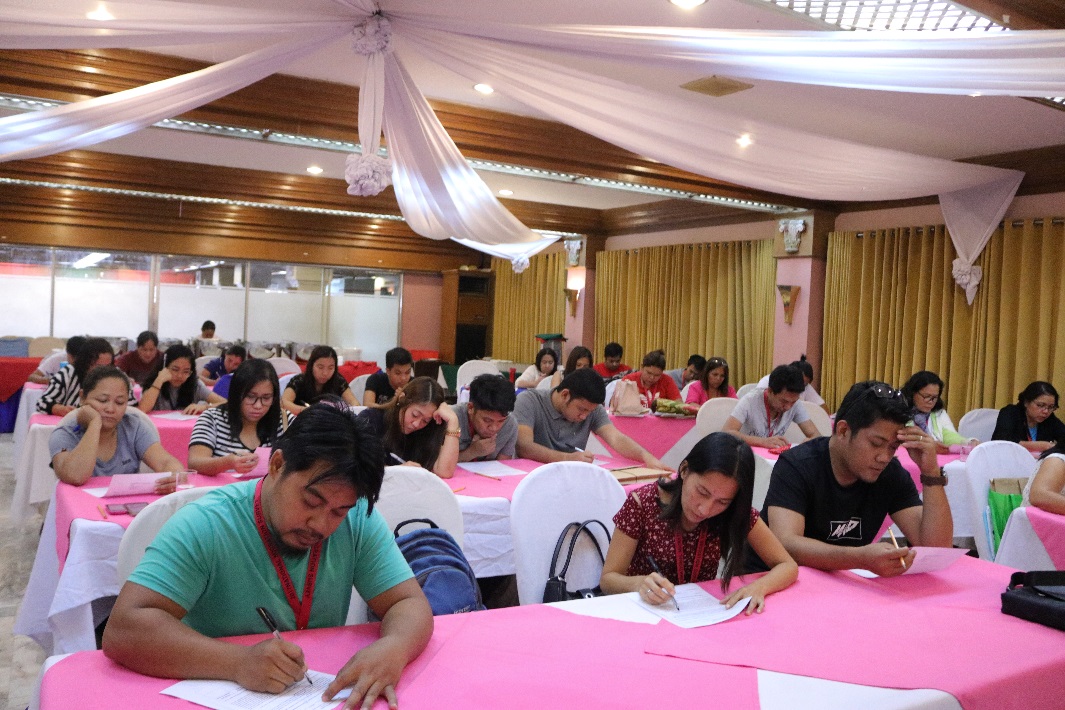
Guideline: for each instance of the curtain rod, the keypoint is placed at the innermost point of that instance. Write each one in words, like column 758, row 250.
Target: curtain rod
column 919, row 231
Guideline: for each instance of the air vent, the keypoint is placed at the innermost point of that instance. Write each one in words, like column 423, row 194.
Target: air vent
column 716, row 86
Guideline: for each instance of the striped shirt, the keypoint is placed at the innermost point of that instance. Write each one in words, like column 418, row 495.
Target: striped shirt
column 65, row 388
column 212, row 430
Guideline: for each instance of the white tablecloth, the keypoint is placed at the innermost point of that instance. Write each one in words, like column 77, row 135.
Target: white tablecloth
column 34, row 479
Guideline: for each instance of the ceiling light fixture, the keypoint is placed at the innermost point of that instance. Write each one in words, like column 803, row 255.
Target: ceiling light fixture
column 744, row 140
column 315, row 170
column 483, row 89
column 100, row 14
column 505, row 193
column 687, row 4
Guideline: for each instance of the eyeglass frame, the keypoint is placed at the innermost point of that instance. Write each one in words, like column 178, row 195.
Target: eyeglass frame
column 1050, row 408
column 264, row 399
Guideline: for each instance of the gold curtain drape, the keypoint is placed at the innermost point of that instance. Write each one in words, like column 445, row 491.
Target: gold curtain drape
column 526, row 304
column 892, row 308
column 714, row 299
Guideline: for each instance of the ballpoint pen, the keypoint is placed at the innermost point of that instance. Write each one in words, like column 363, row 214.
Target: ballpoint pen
column 268, row 619
column 654, row 566
column 892, row 533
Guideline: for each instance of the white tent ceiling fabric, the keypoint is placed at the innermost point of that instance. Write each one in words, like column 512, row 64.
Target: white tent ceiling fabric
column 441, row 197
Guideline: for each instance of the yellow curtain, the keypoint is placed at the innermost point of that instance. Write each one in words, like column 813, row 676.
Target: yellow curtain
column 713, row 299
column 892, row 308
column 526, row 304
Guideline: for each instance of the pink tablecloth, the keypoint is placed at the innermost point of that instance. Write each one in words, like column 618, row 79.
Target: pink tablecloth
column 465, row 483
column 174, row 435
column 1050, row 528
column 656, row 434
column 941, row 630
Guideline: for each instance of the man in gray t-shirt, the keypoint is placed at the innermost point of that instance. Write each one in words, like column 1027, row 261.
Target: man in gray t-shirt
column 762, row 417
column 494, row 432
column 554, row 425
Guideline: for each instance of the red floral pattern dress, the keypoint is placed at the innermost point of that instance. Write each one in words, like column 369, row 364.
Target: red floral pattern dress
column 638, row 518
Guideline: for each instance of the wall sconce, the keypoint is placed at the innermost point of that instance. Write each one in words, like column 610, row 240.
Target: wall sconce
column 575, row 281
column 789, row 295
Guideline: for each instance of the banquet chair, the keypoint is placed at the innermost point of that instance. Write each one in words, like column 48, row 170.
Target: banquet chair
column 412, row 492
column 763, row 469
column 713, row 413
column 545, row 384
column 470, row 369
column 283, row 380
column 744, row 389
column 263, row 349
column 1020, row 548
column 544, row 503
column 684, row 391
column 284, row 365
column 358, row 386
column 992, row 459
column 201, row 362
column 610, row 387
column 819, row 418
column 147, row 524
column 978, row 424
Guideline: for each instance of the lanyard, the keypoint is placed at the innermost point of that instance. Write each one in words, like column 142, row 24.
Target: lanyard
column 699, row 550
column 1033, row 431
column 768, row 416
column 301, row 609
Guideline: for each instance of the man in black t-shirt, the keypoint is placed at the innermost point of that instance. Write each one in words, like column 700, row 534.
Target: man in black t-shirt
column 381, row 386
column 828, row 498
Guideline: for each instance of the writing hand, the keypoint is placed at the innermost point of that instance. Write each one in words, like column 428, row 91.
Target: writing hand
column 271, row 666
column 244, row 463
column 584, row 456
column 656, row 589
column 885, row 559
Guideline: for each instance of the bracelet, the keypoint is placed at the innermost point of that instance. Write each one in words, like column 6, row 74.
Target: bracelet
column 940, row 480
column 457, row 433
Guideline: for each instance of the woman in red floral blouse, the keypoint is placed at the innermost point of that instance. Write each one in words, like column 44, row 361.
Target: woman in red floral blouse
column 698, row 518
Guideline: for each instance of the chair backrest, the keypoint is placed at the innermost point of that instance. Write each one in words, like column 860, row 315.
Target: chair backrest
column 202, row 360
column 763, row 470
column 44, row 346
column 1020, row 547
column 14, row 346
column 263, row 349
column 412, row 492
column 545, row 384
column 544, row 503
column 283, row 380
column 978, row 424
column 610, row 387
column 713, row 413
column 470, row 369
column 744, row 389
column 358, row 386
column 684, row 391
column 147, row 524
column 992, row 459
column 284, row 365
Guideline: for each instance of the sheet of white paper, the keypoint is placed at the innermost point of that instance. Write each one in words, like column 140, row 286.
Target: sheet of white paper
column 226, row 695
column 134, row 484
column 98, row 492
column 926, row 559
column 619, row 607
column 176, row 416
column 491, row 468
column 697, row 608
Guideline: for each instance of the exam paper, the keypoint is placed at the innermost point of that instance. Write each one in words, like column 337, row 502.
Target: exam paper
column 176, row 416
column 697, row 608
column 491, row 468
column 926, row 559
column 227, row 695
column 262, row 467
column 134, row 484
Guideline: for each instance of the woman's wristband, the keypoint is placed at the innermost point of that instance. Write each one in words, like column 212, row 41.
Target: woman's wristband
column 457, row 433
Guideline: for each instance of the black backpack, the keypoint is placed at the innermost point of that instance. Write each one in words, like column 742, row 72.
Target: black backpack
column 441, row 569
column 555, row 590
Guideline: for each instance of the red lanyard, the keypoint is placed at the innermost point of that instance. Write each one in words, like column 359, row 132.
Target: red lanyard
column 768, row 416
column 699, row 550
column 301, row 609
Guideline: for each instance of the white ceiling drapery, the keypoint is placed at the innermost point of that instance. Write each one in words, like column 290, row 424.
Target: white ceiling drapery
column 441, row 197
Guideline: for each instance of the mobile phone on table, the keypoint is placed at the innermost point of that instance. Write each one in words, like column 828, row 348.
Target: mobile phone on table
column 134, row 508
column 116, row 509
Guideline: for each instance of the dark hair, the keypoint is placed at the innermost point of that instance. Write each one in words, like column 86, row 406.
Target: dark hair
column 612, row 350
column 711, row 365
column 146, row 336
column 868, row 402
column 576, row 354
column 655, row 358
column 308, row 387
column 398, row 356
column 187, row 392
column 786, row 377
column 88, row 353
column 99, row 374
column 492, row 393
column 237, row 350
column 804, row 366
column 698, row 360
column 719, row 452
column 207, row 325
column 74, row 342
column 917, row 382
column 422, row 446
column 250, row 373
column 327, row 433
column 586, row 384
column 1035, row 390
column 544, row 352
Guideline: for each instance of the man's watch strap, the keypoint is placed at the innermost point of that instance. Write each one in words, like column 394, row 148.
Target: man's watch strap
column 940, row 480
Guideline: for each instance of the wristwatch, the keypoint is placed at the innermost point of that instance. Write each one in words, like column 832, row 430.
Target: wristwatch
column 940, row 480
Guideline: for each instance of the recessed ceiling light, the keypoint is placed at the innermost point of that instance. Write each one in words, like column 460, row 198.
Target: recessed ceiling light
column 687, row 4
column 483, row 89
column 315, row 170
column 744, row 140
column 505, row 193
column 974, row 95
column 100, row 14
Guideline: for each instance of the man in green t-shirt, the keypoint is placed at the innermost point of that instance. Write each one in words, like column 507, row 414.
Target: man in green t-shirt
column 308, row 526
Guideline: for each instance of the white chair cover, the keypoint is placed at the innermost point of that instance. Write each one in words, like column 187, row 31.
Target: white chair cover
column 993, row 459
column 818, row 416
column 610, row 387
column 283, row 381
column 978, row 424
column 545, row 384
column 284, row 365
column 744, row 389
column 148, row 522
column 358, row 386
column 470, row 369
column 684, row 391
column 713, row 413
column 202, row 360
column 763, row 469
column 547, row 500
column 1020, row 547
column 412, row 492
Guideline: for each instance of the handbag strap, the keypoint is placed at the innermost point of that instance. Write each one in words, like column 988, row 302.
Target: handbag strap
column 584, row 527
column 558, row 548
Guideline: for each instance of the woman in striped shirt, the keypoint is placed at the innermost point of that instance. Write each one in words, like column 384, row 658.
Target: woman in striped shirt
column 62, row 395
column 225, row 438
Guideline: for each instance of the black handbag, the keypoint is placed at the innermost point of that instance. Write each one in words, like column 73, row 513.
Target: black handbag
column 1038, row 597
column 556, row 590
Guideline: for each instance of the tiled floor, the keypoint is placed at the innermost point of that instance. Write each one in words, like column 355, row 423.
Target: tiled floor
column 20, row 658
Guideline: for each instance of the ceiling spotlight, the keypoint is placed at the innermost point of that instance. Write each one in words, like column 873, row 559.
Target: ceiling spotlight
column 505, row 193
column 975, row 94
column 483, row 89
column 100, row 14
column 744, row 140
column 687, row 4
column 315, row 170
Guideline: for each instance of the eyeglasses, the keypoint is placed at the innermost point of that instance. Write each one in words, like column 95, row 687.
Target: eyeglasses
column 1045, row 407
column 930, row 398
column 266, row 400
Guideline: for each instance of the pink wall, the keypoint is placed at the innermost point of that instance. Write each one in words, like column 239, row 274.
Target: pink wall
column 804, row 333
column 421, row 311
column 580, row 330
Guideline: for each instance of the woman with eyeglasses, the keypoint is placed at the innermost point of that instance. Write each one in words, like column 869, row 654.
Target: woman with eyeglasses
column 924, row 395
column 712, row 383
column 175, row 386
column 225, row 438
column 1031, row 421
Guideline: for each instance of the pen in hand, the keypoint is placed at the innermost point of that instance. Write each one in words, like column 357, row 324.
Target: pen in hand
column 268, row 619
column 397, row 458
column 896, row 542
column 654, row 566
